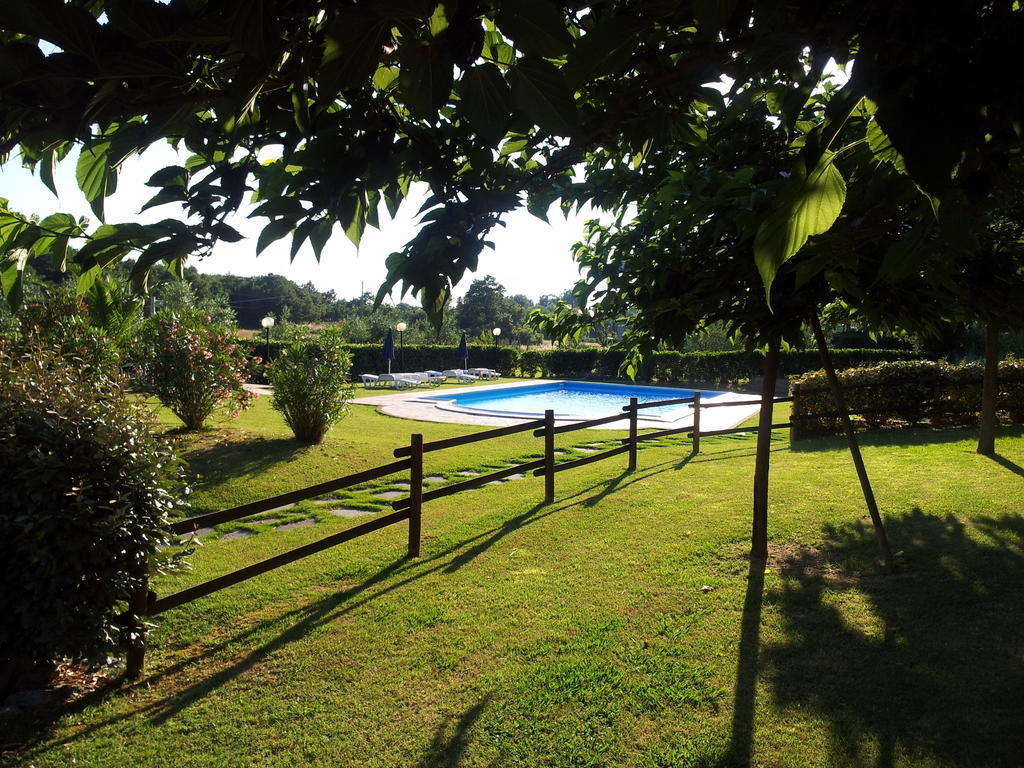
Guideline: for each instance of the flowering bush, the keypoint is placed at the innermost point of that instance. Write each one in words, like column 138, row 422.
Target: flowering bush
column 310, row 381
column 194, row 366
column 60, row 322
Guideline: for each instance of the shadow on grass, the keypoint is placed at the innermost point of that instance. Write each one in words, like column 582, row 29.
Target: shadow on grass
column 941, row 674
column 1005, row 463
column 225, row 459
column 909, row 436
column 742, row 736
column 295, row 625
column 450, row 741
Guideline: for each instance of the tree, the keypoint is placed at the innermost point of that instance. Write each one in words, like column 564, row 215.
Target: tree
column 489, row 104
column 485, row 306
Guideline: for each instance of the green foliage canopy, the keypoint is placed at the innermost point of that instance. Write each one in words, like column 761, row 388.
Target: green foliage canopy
column 320, row 111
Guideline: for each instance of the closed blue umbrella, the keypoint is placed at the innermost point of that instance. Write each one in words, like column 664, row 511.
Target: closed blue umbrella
column 464, row 351
column 388, row 353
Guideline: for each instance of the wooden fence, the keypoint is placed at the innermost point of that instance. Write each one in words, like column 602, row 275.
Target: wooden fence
column 145, row 603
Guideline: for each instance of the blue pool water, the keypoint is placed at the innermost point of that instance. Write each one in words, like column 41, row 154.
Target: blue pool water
column 568, row 399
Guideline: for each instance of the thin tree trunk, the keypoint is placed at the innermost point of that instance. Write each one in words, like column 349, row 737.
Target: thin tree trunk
column 851, row 438
column 759, row 533
column 989, row 392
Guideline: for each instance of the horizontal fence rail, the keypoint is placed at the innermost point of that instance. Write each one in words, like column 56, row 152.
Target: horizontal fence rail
column 564, row 465
column 191, row 524
column 242, row 574
column 660, row 403
column 577, row 425
column 488, row 434
column 470, row 483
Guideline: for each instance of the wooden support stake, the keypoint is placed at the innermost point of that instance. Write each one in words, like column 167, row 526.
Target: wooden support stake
column 415, row 494
column 851, row 438
column 989, row 392
column 549, row 456
column 633, row 412
column 696, row 422
column 135, row 631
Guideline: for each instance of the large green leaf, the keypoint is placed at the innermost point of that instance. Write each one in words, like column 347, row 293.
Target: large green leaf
column 540, row 90
column 95, row 177
column 425, row 81
column 536, row 27
column 882, row 147
column 352, row 49
column 808, row 206
column 12, row 277
column 275, row 230
column 485, row 101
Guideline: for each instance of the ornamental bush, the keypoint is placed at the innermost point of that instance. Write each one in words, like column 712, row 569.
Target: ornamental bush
column 84, row 506
column 194, row 366
column 311, row 385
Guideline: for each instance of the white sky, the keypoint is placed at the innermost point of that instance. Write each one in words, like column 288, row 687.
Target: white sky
column 530, row 257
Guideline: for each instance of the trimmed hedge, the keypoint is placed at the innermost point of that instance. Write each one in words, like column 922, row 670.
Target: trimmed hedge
column 906, row 393
column 366, row 358
column 596, row 363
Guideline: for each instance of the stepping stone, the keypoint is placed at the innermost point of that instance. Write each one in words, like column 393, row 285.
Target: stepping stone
column 495, row 482
column 263, row 521
column 243, row 534
column 587, row 450
column 279, row 509
column 403, row 485
column 345, row 512
column 517, row 476
column 197, row 532
column 559, row 453
column 297, row 524
column 595, row 445
column 468, row 473
column 390, row 495
column 434, row 479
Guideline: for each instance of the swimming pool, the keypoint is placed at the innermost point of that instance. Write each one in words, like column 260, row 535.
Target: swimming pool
column 569, row 400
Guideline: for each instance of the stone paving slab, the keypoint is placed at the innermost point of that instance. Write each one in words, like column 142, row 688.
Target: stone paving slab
column 347, row 512
column 297, row 524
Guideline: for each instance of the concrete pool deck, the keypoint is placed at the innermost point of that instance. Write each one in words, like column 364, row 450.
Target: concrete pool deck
column 408, row 405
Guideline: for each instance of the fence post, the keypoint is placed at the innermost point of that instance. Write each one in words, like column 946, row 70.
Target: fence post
column 135, row 631
column 415, row 493
column 549, row 456
column 696, row 422
column 633, row 410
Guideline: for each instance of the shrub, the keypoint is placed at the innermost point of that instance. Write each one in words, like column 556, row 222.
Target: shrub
column 193, row 366
column 61, row 322
column 311, row 389
column 84, row 505
column 906, row 393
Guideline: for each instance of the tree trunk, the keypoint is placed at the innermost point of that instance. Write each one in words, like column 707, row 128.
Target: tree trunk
column 989, row 392
column 851, row 438
column 759, row 533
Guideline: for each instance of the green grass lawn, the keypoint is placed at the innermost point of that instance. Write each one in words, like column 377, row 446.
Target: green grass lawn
column 619, row 626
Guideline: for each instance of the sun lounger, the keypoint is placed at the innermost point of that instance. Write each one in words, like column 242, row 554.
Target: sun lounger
column 485, row 373
column 397, row 380
column 369, row 380
column 461, row 376
column 436, row 377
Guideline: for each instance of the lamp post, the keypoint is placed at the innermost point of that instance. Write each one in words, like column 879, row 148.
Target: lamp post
column 497, row 333
column 267, row 323
column 401, row 343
